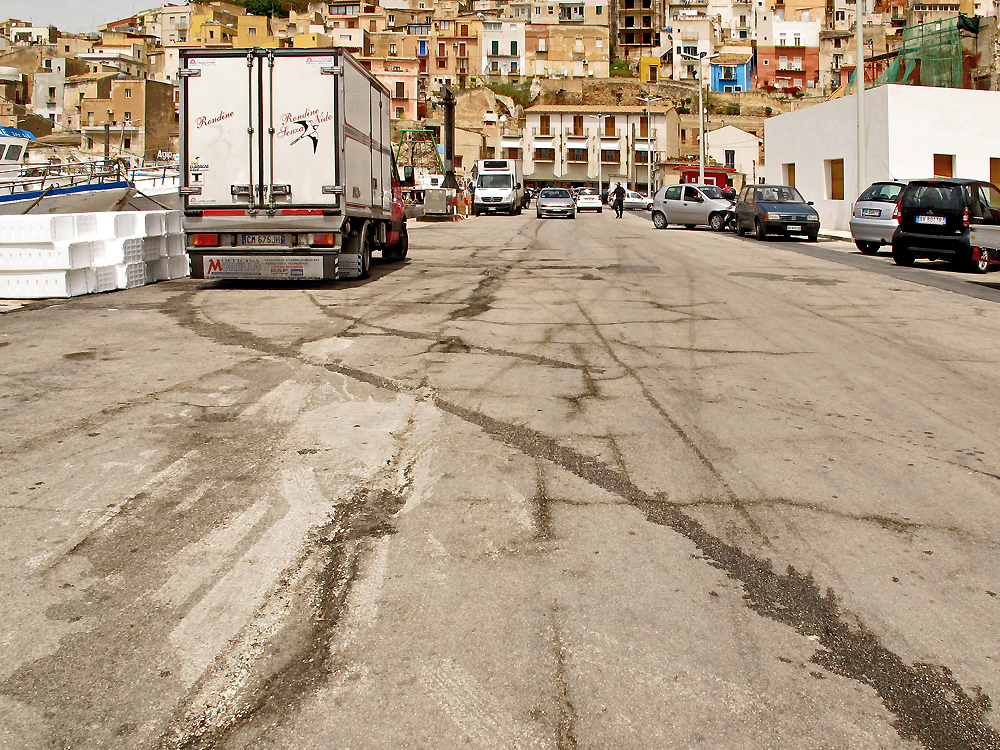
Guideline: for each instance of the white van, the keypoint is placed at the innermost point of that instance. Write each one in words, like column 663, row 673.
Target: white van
column 499, row 187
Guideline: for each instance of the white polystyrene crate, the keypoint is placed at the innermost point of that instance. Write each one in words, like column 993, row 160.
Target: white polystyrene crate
column 104, row 278
column 153, row 248
column 154, row 223
column 113, row 252
column 131, row 275
column 175, row 244
column 43, row 284
column 179, row 266
column 172, row 222
column 49, row 256
column 38, row 228
column 157, row 270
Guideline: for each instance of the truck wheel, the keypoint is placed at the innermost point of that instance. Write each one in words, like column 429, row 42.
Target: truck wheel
column 361, row 245
column 398, row 251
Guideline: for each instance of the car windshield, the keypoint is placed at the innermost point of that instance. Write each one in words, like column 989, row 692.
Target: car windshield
column 494, row 181
column 882, row 192
column 777, row 194
column 554, row 193
column 933, row 195
column 712, row 192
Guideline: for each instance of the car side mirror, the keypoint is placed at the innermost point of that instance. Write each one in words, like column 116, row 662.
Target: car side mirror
column 810, row 203
column 408, row 180
column 517, row 186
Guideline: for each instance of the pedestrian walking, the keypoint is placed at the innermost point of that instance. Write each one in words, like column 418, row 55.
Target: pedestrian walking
column 618, row 200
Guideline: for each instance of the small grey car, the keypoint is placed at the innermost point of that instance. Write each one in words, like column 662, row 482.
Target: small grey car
column 874, row 220
column 555, row 202
column 691, row 205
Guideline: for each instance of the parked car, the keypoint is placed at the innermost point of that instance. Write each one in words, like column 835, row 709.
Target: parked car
column 873, row 220
column 934, row 219
column 634, row 200
column 555, row 202
column 589, row 200
column 775, row 209
column 691, row 205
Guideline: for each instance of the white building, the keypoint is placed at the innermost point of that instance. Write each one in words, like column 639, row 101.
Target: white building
column 568, row 145
column 912, row 132
column 502, row 48
column 736, row 149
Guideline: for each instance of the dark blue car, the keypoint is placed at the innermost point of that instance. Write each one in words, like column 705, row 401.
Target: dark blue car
column 775, row 209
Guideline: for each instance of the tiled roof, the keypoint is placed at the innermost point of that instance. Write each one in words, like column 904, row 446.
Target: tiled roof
column 736, row 58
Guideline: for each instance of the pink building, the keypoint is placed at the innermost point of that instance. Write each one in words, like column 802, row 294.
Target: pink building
column 399, row 75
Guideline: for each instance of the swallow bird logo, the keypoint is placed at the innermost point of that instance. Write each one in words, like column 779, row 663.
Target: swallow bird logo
column 309, row 130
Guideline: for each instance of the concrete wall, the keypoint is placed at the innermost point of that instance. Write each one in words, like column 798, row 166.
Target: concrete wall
column 906, row 126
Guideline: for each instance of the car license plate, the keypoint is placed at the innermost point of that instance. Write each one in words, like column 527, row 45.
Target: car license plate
column 871, row 212
column 936, row 220
column 793, row 228
column 263, row 239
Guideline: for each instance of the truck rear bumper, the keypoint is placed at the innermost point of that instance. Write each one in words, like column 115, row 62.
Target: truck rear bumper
column 274, row 266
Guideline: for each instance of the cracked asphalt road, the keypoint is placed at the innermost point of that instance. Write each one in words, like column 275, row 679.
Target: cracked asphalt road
column 550, row 484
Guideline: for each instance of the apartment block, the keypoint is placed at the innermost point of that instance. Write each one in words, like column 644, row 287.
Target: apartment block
column 787, row 53
column 139, row 114
column 567, row 145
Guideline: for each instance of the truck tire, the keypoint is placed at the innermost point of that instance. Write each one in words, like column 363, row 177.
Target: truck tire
column 398, row 251
column 365, row 252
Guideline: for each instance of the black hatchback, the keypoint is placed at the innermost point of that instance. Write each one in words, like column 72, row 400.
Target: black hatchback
column 934, row 219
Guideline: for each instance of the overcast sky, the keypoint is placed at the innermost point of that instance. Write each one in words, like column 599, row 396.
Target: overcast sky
column 76, row 16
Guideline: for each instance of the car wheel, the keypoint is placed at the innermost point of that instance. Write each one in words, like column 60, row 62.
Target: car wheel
column 538, row 214
column 740, row 231
column 980, row 264
column 901, row 256
column 715, row 221
column 649, row 206
column 814, row 237
column 868, row 248
column 659, row 220
column 758, row 230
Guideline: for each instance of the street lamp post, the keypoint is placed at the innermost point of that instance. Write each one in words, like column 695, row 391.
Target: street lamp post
column 600, row 175
column 646, row 101
column 701, row 57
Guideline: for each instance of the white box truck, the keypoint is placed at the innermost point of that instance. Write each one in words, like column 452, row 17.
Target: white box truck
column 499, row 187
column 286, row 165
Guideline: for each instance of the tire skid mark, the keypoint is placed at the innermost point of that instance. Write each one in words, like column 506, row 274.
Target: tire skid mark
column 930, row 706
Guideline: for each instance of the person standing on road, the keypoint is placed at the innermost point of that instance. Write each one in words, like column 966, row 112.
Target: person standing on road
column 618, row 200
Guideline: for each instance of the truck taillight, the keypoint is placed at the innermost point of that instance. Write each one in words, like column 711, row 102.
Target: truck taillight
column 323, row 239
column 205, row 240
column 965, row 217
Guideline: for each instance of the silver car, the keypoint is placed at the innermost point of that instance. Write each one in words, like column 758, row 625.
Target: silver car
column 555, row 202
column 873, row 221
column 691, row 205
column 636, row 201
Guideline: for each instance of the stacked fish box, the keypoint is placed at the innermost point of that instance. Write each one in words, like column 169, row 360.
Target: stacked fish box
column 65, row 255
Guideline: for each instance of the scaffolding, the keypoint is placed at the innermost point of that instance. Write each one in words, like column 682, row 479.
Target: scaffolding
column 931, row 54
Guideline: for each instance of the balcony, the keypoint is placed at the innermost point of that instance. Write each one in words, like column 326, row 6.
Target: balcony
column 576, row 134
column 615, row 136
column 540, row 133
column 611, row 157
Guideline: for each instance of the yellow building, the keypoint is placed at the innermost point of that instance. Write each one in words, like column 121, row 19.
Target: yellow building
column 311, row 41
column 207, row 31
column 255, row 31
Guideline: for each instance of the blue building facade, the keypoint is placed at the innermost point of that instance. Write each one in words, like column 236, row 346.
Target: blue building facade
column 732, row 73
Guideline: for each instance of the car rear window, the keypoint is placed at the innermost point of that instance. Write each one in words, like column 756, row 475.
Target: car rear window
column 933, row 195
column 884, row 192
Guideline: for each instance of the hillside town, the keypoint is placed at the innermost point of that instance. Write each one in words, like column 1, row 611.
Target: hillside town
column 583, row 92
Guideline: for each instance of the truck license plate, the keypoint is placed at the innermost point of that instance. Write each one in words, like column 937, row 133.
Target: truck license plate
column 871, row 212
column 263, row 239
column 936, row 220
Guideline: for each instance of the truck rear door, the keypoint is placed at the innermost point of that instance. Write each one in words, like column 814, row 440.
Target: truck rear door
column 260, row 129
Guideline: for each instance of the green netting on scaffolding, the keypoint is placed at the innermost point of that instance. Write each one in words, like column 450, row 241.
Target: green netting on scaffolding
column 930, row 54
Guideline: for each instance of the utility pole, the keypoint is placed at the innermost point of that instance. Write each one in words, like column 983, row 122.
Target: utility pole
column 448, row 101
column 859, row 79
column 646, row 101
column 701, row 57
column 600, row 174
